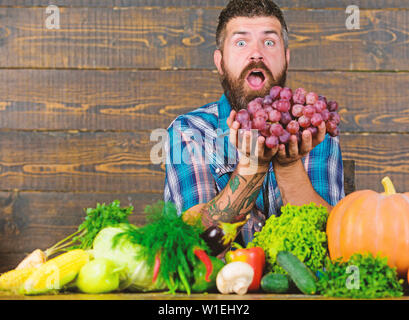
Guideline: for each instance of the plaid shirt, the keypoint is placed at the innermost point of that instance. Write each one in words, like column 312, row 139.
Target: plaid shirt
column 200, row 160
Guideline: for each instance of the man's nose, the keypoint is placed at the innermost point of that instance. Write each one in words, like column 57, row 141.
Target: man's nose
column 256, row 54
column 256, row 58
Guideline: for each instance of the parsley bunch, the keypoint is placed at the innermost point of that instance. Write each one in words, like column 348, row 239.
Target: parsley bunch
column 96, row 219
column 362, row 276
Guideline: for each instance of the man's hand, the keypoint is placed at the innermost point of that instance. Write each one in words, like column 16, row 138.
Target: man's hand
column 295, row 153
column 256, row 160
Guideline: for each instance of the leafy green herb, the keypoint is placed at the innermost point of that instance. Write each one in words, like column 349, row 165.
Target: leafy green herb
column 299, row 230
column 96, row 219
column 362, row 276
column 168, row 235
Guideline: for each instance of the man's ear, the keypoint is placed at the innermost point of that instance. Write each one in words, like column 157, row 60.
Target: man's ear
column 287, row 56
column 217, row 57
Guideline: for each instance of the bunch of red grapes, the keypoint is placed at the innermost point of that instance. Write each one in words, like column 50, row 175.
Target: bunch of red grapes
column 283, row 113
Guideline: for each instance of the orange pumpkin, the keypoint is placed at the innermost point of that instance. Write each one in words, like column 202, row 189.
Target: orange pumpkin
column 367, row 221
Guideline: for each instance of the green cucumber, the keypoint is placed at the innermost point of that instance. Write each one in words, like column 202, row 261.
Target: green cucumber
column 275, row 283
column 303, row 278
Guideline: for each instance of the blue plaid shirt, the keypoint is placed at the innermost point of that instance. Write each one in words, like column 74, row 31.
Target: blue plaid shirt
column 200, row 161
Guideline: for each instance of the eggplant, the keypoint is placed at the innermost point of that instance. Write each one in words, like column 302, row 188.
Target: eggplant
column 220, row 236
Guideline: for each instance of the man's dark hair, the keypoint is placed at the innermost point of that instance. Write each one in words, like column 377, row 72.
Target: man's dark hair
column 249, row 9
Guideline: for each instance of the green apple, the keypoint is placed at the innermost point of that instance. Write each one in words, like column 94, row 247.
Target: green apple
column 98, row 276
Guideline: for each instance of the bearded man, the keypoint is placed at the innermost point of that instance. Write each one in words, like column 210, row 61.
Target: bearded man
column 206, row 175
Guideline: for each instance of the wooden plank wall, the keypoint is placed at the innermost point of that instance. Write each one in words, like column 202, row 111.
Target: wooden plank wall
column 78, row 104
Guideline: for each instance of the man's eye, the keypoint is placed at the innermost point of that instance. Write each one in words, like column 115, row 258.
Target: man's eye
column 241, row 43
column 269, row 43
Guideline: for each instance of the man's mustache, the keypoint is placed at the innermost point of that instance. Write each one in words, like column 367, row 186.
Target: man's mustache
column 256, row 65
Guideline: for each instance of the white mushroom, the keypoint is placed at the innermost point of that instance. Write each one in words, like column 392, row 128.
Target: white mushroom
column 235, row 277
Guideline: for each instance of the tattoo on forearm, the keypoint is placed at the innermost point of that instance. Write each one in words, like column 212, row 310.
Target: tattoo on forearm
column 239, row 202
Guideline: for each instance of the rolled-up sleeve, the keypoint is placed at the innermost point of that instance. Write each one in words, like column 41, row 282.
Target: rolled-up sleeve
column 188, row 179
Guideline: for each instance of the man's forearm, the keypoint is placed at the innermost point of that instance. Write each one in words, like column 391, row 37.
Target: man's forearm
column 236, row 200
column 295, row 185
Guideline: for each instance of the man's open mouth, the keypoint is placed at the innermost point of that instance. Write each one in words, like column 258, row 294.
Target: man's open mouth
column 256, row 79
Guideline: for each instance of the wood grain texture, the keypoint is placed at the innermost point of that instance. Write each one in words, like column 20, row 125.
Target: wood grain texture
column 377, row 156
column 78, row 161
column 145, row 100
column 316, row 4
column 166, row 38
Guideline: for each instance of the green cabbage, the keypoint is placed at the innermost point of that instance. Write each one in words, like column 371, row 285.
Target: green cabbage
column 135, row 275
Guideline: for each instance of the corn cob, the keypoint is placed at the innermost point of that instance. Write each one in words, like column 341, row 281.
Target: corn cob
column 55, row 273
column 14, row 279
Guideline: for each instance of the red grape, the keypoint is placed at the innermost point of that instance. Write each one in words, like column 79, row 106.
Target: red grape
column 320, row 106
column 308, row 111
column 332, row 106
column 325, row 115
column 316, row 119
column 299, row 96
column 283, row 105
column 285, row 137
column 259, row 100
column 261, row 113
column 266, row 130
column 331, row 126
column 286, row 93
column 296, row 110
column 293, row 127
column 275, row 92
column 253, row 106
column 267, row 100
column 322, row 98
column 271, row 142
column 268, row 108
column 304, row 121
column 285, row 118
column 333, row 116
column 258, row 123
column 276, row 129
column 242, row 116
column 274, row 115
column 311, row 98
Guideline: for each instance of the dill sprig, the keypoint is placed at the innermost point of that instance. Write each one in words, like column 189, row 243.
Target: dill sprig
column 169, row 236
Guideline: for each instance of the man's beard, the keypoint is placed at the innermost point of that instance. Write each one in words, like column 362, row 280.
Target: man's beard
column 235, row 90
